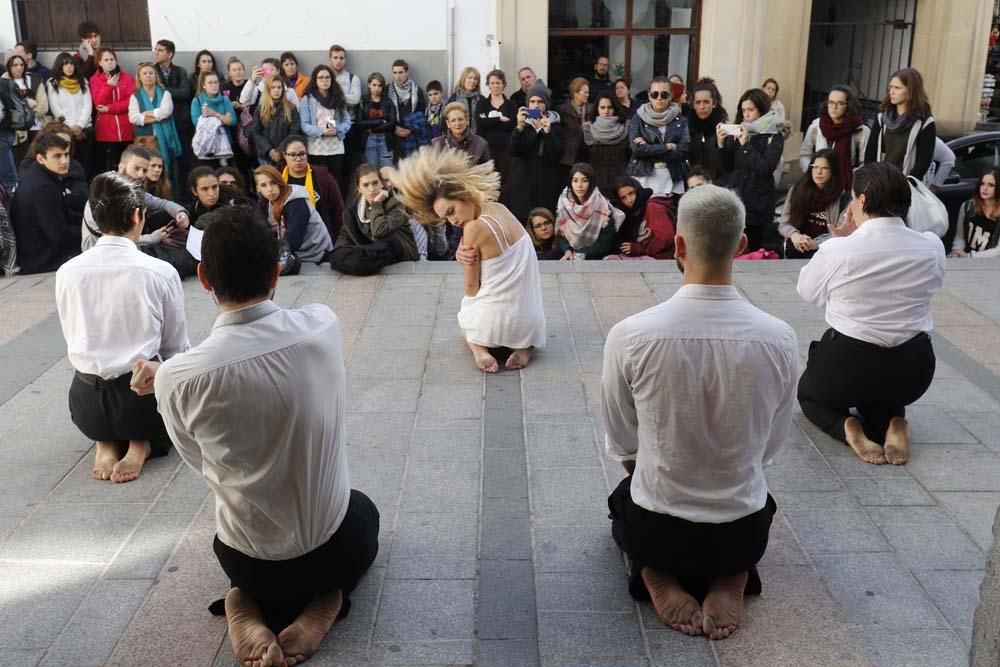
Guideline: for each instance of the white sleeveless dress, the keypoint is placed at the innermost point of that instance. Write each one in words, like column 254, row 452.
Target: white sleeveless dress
column 507, row 311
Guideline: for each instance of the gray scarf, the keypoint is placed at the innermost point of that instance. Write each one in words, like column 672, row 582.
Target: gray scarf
column 471, row 100
column 607, row 129
column 658, row 119
column 893, row 122
column 407, row 90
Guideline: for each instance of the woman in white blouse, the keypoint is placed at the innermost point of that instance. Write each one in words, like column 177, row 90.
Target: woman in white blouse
column 876, row 282
column 70, row 102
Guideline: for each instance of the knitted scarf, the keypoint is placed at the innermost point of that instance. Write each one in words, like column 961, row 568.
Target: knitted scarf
column 407, row 90
column 635, row 214
column 461, row 143
column 308, row 184
column 766, row 124
column 70, row 85
column 581, row 224
column 325, row 101
column 167, row 139
column 658, row 118
column 840, row 137
column 893, row 122
column 471, row 101
column 607, row 129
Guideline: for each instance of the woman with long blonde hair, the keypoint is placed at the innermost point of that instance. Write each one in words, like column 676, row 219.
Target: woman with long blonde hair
column 274, row 121
column 467, row 91
column 502, row 307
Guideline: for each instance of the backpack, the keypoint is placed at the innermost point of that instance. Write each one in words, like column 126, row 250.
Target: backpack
column 16, row 109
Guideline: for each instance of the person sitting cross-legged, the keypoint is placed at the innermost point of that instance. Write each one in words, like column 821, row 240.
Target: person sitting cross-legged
column 117, row 306
column 258, row 410
column 694, row 513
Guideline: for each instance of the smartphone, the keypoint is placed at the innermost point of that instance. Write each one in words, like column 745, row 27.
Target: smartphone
column 731, row 129
column 534, row 113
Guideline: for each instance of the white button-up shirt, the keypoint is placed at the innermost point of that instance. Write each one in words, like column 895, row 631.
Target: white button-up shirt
column 877, row 283
column 117, row 305
column 258, row 410
column 699, row 392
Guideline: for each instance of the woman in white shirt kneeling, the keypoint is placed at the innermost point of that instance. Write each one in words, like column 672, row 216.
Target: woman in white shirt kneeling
column 876, row 282
column 502, row 307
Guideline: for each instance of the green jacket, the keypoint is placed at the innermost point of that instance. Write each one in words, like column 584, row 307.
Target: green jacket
column 387, row 218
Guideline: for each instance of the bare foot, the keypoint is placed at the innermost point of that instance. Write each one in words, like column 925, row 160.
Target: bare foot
column 866, row 450
column 674, row 606
column 253, row 642
column 300, row 640
column 105, row 459
column 519, row 359
column 723, row 607
column 130, row 466
column 485, row 361
column 897, row 442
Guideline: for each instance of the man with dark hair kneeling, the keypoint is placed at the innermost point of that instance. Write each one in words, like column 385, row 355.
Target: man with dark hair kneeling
column 258, row 410
column 697, row 397
column 117, row 306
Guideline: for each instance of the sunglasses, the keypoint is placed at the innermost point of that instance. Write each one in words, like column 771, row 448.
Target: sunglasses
column 656, row 95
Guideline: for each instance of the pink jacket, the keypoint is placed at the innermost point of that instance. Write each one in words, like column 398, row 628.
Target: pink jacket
column 112, row 125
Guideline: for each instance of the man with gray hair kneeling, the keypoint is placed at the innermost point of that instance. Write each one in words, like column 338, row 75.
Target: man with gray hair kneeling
column 697, row 397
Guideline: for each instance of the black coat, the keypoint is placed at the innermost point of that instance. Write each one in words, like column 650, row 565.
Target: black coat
column 45, row 213
column 749, row 171
column 177, row 84
column 704, row 149
column 492, row 129
column 270, row 135
column 386, row 126
column 534, row 179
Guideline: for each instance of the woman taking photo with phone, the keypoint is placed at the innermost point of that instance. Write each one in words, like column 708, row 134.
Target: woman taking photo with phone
column 111, row 88
column 536, row 147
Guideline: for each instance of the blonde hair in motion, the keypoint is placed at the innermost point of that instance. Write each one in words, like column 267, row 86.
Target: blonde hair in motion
column 435, row 173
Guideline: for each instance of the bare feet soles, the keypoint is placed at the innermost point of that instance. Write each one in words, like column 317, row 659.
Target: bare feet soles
column 253, row 643
column 897, row 442
column 130, row 466
column 519, row 359
column 674, row 606
column 105, row 459
column 866, row 450
column 485, row 361
column 300, row 640
column 723, row 607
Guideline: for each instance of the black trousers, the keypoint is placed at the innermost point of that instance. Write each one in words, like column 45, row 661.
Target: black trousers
column 109, row 411
column 879, row 382
column 283, row 588
column 367, row 259
column 694, row 553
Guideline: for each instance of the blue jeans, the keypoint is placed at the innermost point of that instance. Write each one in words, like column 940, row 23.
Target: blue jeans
column 8, row 170
column 377, row 152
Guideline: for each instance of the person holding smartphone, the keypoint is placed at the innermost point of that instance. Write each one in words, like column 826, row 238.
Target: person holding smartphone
column 536, row 147
column 111, row 89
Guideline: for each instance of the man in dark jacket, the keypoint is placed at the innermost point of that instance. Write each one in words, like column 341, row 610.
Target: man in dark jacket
column 28, row 51
column 47, row 207
column 599, row 79
column 175, row 79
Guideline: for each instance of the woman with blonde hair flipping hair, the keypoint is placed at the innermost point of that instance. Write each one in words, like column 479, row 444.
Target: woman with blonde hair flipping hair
column 502, row 307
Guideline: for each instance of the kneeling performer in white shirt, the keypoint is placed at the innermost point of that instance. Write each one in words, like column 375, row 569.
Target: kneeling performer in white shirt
column 258, row 410
column 697, row 397
column 117, row 306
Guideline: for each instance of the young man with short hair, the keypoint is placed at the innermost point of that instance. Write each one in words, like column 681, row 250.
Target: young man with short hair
column 90, row 41
column 349, row 83
column 28, row 50
column 46, row 208
column 412, row 130
column 599, row 79
column 291, row 535
column 117, row 306
column 175, row 79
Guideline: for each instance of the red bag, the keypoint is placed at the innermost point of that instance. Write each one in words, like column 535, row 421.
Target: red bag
column 760, row 254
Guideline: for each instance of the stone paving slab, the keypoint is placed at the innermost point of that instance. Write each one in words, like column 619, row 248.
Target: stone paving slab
column 495, row 547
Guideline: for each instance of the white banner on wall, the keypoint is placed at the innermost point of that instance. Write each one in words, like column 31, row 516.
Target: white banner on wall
column 261, row 25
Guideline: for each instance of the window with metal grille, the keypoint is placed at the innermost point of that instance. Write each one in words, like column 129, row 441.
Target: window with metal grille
column 52, row 24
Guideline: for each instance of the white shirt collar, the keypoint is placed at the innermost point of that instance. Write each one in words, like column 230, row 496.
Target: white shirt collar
column 119, row 241
column 879, row 223
column 720, row 292
column 246, row 315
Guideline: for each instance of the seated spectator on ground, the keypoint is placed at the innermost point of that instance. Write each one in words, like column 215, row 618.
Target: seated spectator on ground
column 410, row 105
column 586, row 221
column 376, row 124
column 291, row 535
column 274, row 121
column 325, row 121
column 230, row 177
column 606, row 134
column 748, row 162
column 435, row 109
column 659, row 139
column 76, row 170
column 432, row 241
column 118, row 306
column 324, row 193
column 292, row 216
column 694, row 513
column 503, row 291
column 376, row 231
column 650, row 222
column 46, row 208
column 536, row 146
column 157, row 182
column 698, row 177
column 164, row 231
column 90, row 41
column 209, row 195
column 290, row 74
column 978, row 227
column 813, row 205
column 876, row 285
column 542, row 230
column 461, row 136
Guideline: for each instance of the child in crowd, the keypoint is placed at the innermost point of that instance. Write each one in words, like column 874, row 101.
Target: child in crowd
column 435, row 108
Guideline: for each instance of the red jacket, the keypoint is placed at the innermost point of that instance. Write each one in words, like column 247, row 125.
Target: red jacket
column 112, row 125
column 656, row 233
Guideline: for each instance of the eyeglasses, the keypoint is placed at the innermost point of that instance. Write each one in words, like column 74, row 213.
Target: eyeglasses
column 323, row 77
column 831, row 103
column 656, row 95
column 296, row 156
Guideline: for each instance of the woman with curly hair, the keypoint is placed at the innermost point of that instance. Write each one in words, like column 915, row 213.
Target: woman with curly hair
column 503, row 290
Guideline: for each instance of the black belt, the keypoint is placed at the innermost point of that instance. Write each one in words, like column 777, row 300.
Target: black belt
column 99, row 382
column 923, row 335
